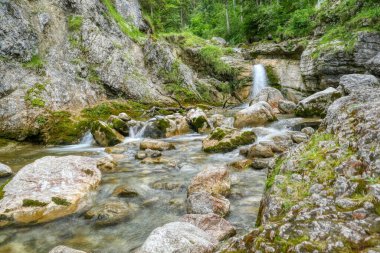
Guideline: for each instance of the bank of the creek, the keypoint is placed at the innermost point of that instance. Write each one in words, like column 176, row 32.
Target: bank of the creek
column 156, row 207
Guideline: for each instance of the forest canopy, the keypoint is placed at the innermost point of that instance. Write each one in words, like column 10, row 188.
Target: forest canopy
column 253, row 20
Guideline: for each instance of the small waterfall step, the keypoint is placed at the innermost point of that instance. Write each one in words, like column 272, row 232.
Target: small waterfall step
column 260, row 80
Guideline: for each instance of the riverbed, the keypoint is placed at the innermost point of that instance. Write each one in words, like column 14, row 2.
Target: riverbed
column 155, row 206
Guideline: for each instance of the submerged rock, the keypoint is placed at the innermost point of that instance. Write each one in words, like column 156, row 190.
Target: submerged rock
column 64, row 249
column 198, row 120
column 106, row 164
column 49, row 188
column 5, row 170
column 204, row 203
column 111, row 213
column 156, row 145
column 317, row 104
column 211, row 180
column 227, row 139
column 255, row 115
column 212, row 224
column 104, row 135
column 178, row 237
column 125, row 191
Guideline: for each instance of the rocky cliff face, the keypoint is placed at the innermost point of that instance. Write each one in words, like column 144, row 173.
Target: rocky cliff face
column 71, row 54
column 323, row 65
column 323, row 196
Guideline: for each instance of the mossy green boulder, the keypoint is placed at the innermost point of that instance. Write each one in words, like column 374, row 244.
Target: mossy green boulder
column 104, row 135
column 119, row 125
column 227, row 139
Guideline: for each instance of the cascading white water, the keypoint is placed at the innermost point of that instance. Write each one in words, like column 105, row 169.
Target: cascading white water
column 137, row 131
column 260, row 79
column 87, row 139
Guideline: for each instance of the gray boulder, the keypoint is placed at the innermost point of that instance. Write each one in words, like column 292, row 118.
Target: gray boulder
column 212, row 224
column 5, row 170
column 286, row 106
column 104, row 135
column 178, row 237
column 353, row 82
column 373, row 65
column 64, row 249
column 48, row 189
column 204, row 203
column 111, row 213
column 317, row 104
column 257, row 114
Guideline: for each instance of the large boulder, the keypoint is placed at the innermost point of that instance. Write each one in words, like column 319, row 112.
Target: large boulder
column 227, row 139
column 178, row 237
column 5, row 170
column 211, row 180
column 287, row 107
column 64, row 249
column 156, row 145
column 204, row 203
column 350, row 83
column 270, row 95
column 47, row 189
column 255, row 115
column 374, row 65
column 213, row 224
column 317, row 104
column 198, row 120
column 168, row 126
column 119, row 125
column 104, row 135
column 260, row 151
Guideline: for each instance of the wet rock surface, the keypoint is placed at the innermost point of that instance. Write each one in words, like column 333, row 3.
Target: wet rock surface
column 49, row 188
column 178, row 237
column 321, row 195
column 257, row 114
column 227, row 139
column 64, row 249
column 5, row 170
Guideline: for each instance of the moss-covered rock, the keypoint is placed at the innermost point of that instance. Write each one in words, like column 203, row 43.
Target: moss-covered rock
column 227, row 139
column 104, row 135
column 198, row 120
column 119, row 125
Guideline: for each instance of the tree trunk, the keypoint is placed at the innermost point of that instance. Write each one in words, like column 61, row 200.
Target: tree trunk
column 227, row 19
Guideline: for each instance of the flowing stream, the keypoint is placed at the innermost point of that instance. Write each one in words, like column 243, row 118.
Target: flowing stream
column 156, row 207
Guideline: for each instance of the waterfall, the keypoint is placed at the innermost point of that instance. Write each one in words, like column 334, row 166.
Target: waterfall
column 87, row 139
column 137, row 131
column 260, row 80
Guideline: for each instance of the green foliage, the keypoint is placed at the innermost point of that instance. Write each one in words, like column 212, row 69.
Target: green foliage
column 36, row 63
column 33, row 203
column 218, row 134
column 75, row 23
column 127, row 28
column 33, row 95
column 211, row 57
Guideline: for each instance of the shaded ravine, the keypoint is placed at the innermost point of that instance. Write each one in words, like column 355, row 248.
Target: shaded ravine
column 156, row 206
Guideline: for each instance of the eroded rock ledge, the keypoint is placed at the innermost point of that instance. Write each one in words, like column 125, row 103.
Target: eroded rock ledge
column 323, row 195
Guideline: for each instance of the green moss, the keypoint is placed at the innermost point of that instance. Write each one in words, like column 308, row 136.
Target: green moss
column 211, row 57
column 35, row 63
column 33, row 203
column 163, row 124
column 273, row 79
column 218, row 134
column 34, row 95
column 60, row 201
column 199, row 123
column 75, row 23
column 2, row 188
column 273, row 173
column 127, row 28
